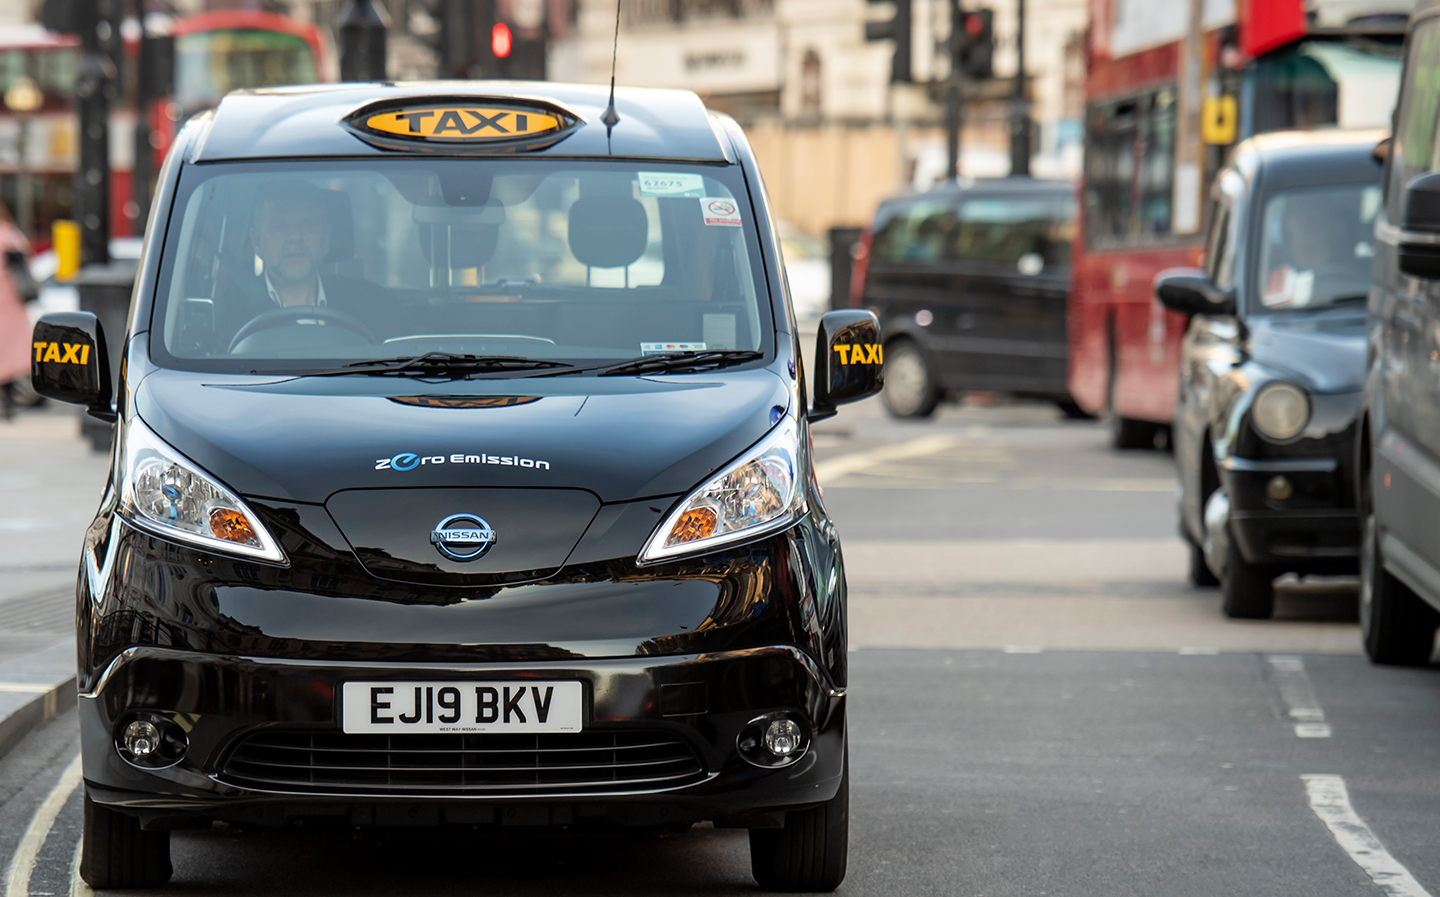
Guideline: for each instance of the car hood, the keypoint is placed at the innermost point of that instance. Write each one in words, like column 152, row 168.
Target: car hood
column 1323, row 351
column 305, row 439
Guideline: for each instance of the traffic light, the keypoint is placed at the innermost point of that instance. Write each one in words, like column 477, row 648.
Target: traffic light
column 454, row 37
column 514, row 33
column 897, row 29
column 977, row 44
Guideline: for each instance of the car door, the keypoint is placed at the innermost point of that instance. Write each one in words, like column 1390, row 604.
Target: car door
column 1012, row 256
column 1208, row 351
column 1405, row 327
column 910, row 279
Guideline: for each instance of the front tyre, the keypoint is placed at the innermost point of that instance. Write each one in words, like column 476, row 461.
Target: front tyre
column 1200, row 573
column 1397, row 626
column 117, row 853
column 809, row 853
column 910, row 386
column 1248, row 590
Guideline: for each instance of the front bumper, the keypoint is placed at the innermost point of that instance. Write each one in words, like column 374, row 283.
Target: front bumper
column 1315, row 530
column 703, row 701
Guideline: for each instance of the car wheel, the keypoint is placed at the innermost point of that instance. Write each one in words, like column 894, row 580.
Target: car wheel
column 910, row 388
column 1128, row 433
column 117, row 853
column 1072, row 410
column 1200, row 572
column 809, row 853
column 1248, row 590
column 1397, row 626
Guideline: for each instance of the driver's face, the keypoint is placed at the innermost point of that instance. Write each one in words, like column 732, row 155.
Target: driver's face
column 291, row 236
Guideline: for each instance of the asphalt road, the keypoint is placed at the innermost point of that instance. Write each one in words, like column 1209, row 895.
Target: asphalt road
column 1040, row 706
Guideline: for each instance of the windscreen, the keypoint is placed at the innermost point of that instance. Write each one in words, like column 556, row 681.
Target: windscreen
column 285, row 265
column 210, row 64
column 1316, row 246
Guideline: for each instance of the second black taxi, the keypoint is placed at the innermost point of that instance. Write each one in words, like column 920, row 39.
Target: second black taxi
column 1272, row 366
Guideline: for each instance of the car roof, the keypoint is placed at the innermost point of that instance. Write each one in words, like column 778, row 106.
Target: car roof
column 1008, row 186
column 308, row 121
column 1296, row 157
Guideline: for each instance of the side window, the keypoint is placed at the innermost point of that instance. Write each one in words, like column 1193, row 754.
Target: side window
column 1110, row 137
column 1004, row 229
column 917, row 232
column 1157, row 170
column 1413, row 150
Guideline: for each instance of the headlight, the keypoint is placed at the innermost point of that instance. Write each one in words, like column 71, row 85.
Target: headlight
column 1281, row 411
column 164, row 493
column 757, row 494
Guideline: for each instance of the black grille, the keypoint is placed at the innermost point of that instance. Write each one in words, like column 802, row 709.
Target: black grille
column 595, row 762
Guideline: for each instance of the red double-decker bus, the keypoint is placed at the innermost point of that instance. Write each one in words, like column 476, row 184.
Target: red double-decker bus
column 1165, row 101
column 215, row 52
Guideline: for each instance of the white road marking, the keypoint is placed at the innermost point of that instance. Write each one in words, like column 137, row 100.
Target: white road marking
column 28, row 688
column 832, row 469
column 1198, row 649
column 1331, row 802
column 1024, row 649
column 1299, row 696
column 17, row 881
column 78, row 888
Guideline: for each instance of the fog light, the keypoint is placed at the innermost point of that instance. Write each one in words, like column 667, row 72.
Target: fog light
column 1279, row 488
column 773, row 740
column 782, row 737
column 142, row 739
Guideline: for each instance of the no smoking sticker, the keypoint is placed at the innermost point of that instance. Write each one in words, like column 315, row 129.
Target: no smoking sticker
column 720, row 212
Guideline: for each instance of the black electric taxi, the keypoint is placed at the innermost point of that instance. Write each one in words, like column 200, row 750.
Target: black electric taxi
column 969, row 281
column 462, row 477
column 1272, row 364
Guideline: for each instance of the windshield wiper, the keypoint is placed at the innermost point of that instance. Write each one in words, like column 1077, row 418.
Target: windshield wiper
column 449, row 365
column 679, row 362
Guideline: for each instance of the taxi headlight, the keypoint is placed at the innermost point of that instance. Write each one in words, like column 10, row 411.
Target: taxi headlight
column 1281, row 411
column 756, row 494
column 164, row 493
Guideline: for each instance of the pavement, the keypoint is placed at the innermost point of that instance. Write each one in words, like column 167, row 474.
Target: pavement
column 50, row 485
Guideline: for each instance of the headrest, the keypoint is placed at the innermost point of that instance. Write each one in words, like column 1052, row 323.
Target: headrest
column 608, row 231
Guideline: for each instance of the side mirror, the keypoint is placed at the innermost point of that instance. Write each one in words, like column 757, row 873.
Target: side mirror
column 1419, row 249
column 849, row 360
column 1189, row 291
column 69, row 362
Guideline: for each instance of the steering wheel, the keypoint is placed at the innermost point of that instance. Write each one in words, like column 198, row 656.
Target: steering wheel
column 281, row 316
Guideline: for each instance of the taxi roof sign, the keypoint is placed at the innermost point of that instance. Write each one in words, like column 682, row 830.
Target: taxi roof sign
column 460, row 124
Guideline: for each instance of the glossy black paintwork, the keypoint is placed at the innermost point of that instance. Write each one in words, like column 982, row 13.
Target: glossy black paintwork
column 1227, row 358
column 619, row 437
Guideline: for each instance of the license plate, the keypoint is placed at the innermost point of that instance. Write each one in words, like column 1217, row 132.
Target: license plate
column 398, row 707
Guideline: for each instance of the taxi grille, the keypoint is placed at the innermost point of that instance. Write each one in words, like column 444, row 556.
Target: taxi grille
column 595, row 762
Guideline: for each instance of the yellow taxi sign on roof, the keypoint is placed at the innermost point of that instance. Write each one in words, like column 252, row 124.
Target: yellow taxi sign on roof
column 460, row 123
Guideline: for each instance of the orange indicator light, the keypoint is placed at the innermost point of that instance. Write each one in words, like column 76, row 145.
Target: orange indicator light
column 231, row 526
column 696, row 523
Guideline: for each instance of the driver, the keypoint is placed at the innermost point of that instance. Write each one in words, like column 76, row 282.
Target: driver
column 290, row 235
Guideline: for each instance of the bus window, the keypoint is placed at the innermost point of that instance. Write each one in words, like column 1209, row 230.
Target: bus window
column 1110, row 172
column 1157, row 173
column 210, row 64
column 1316, row 83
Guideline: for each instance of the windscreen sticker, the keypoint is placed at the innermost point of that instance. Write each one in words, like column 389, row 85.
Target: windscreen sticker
column 719, row 211
column 660, row 348
column 669, row 183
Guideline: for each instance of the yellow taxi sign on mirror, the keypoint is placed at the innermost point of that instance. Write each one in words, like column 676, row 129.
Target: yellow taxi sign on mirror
column 457, row 122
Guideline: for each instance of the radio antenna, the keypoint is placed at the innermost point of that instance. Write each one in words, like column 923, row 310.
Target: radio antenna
column 611, row 118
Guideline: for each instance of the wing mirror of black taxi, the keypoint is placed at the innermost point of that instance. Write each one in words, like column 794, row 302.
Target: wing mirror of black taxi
column 68, row 361
column 1190, row 292
column 1419, row 244
column 849, row 360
